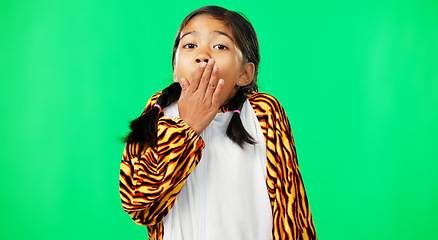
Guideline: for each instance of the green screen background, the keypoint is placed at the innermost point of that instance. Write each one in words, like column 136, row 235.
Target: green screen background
column 358, row 80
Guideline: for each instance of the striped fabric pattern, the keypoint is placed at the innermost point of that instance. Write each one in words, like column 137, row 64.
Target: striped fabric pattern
column 151, row 181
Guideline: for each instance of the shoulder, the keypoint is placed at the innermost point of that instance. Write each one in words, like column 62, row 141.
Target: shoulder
column 152, row 101
column 155, row 96
column 269, row 109
column 265, row 101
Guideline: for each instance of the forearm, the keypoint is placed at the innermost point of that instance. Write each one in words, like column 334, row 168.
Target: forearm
column 151, row 181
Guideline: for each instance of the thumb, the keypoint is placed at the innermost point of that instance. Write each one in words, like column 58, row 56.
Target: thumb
column 184, row 86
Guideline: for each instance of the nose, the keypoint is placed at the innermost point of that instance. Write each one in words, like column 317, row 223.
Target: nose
column 202, row 56
column 199, row 60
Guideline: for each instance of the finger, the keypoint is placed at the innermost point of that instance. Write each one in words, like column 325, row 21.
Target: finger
column 197, row 77
column 184, row 86
column 212, row 84
column 217, row 93
column 205, row 79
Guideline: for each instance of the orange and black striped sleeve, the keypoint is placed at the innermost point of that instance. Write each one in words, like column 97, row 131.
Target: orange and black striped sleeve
column 151, row 180
column 292, row 218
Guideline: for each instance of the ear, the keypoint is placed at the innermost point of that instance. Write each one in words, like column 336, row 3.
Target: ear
column 246, row 75
column 174, row 77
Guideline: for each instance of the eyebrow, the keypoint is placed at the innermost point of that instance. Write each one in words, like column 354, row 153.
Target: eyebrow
column 218, row 32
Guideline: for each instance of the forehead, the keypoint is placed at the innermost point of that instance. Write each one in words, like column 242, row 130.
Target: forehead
column 206, row 24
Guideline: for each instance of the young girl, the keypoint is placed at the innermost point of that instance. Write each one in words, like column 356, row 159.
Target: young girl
column 210, row 157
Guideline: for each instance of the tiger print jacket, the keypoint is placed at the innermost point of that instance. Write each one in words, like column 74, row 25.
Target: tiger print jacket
column 151, row 181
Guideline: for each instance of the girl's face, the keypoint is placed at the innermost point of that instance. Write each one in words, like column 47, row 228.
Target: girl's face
column 205, row 38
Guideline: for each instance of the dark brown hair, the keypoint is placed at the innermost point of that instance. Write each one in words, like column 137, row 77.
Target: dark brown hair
column 144, row 128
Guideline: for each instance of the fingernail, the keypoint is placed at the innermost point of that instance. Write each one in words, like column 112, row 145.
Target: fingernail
column 215, row 68
column 203, row 64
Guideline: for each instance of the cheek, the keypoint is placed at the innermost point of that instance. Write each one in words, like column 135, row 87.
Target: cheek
column 179, row 60
column 229, row 70
column 230, row 64
column 181, row 70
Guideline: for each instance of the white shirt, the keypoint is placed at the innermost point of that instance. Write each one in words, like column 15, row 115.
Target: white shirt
column 225, row 196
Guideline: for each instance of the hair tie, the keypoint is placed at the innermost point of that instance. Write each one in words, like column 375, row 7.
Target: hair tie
column 236, row 111
column 157, row 106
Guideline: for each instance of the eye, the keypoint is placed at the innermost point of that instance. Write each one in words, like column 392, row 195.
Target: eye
column 220, row 47
column 189, row 45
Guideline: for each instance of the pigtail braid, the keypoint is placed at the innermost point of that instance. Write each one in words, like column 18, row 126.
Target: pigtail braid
column 144, row 128
column 236, row 131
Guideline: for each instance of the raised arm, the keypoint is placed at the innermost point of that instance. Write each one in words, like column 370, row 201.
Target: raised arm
column 151, row 180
